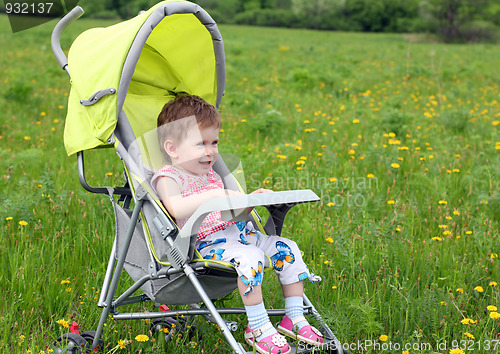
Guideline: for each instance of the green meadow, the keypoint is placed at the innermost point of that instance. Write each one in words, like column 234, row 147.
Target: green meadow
column 397, row 134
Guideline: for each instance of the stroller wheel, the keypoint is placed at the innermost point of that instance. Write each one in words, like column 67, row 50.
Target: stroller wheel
column 174, row 328
column 71, row 343
column 191, row 330
column 89, row 337
column 166, row 325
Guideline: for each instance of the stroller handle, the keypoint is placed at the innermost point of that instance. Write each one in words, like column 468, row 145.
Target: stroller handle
column 56, row 35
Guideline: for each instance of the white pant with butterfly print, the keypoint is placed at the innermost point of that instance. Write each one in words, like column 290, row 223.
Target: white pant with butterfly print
column 249, row 251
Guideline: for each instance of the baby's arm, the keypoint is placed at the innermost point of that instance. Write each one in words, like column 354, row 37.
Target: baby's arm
column 183, row 207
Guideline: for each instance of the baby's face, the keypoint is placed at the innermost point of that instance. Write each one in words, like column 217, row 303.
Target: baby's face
column 197, row 152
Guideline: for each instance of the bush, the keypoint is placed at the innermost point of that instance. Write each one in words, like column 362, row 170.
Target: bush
column 479, row 31
column 267, row 17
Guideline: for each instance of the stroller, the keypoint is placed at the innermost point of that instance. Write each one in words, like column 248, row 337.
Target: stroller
column 121, row 77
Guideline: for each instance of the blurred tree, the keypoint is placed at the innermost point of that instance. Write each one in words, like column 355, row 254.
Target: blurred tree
column 462, row 20
column 319, row 14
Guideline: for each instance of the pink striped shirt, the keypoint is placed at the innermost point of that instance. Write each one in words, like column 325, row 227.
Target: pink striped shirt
column 192, row 185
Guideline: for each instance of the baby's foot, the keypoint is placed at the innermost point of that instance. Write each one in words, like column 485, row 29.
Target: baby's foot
column 300, row 329
column 267, row 340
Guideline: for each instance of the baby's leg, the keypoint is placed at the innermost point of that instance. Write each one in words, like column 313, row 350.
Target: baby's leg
column 251, row 298
column 294, row 289
column 260, row 331
column 249, row 262
column 291, row 270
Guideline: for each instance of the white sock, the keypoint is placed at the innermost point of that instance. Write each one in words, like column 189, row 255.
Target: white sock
column 294, row 308
column 258, row 318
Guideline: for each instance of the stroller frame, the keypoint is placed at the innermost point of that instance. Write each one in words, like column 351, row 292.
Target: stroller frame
column 179, row 243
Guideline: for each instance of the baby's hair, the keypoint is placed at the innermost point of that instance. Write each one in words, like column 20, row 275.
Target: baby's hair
column 185, row 106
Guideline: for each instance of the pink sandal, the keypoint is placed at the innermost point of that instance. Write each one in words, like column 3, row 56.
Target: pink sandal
column 308, row 334
column 273, row 344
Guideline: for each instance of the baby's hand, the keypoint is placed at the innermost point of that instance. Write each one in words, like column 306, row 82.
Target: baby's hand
column 231, row 193
column 261, row 190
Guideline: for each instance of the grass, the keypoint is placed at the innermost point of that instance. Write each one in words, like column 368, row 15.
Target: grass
column 400, row 138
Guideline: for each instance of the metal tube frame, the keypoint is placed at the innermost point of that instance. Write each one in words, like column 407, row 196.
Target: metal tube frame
column 108, row 304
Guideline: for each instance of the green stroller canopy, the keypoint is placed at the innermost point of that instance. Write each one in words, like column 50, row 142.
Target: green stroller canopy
column 133, row 68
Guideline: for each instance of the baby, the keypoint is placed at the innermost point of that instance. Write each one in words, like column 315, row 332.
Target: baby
column 188, row 133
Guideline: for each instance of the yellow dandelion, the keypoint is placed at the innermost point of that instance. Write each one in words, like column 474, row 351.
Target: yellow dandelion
column 457, row 351
column 370, row 175
column 491, row 308
column 333, row 179
column 437, row 238
column 391, row 202
column 23, row 223
column 493, row 283
column 8, row 218
column 460, row 290
column 142, row 338
column 329, row 240
column 479, row 289
column 456, row 212
column 468, row 321
column 27, row 138
column 121, row 344
column 330, row 204
column 334, row 287
column 443, row 202
column 494, row 315
column 63, row 282
column 469, row 335
column 468, row 232
column 63, row 323
column 383, row 338
column 395, row 165
column 355, row 121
